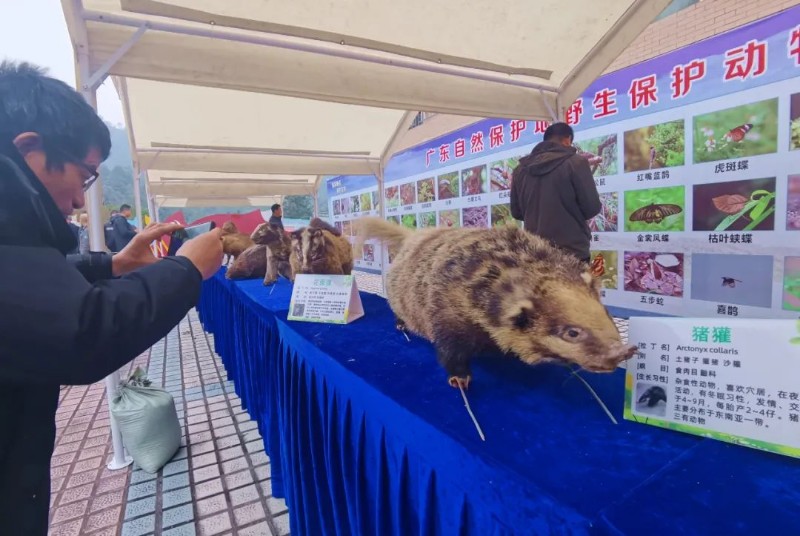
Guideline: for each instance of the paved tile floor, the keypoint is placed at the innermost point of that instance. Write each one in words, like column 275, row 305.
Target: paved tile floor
column 219, row 481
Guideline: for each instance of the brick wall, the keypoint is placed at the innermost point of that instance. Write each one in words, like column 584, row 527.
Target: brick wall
column 695, row 23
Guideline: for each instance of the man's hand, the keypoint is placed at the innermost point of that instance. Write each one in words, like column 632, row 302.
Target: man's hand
column 205, row 252
column 137, row 253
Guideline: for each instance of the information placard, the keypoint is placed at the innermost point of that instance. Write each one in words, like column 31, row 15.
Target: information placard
column 330, row 299
column 733, row 380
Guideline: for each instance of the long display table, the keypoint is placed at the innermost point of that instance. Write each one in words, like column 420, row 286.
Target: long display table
column 366, row 437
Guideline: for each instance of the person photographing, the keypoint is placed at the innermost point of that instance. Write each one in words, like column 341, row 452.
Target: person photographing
column 67, row 319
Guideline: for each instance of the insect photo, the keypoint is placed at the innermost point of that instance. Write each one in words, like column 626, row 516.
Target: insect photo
column 655, row 213
column 655, row 209
column 730, row 282
column 742, row 131
column 604, row 268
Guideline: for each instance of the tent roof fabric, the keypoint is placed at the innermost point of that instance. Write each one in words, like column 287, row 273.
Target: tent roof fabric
column 325, row 88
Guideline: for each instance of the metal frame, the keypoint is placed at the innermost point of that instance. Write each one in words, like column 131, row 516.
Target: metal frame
column 314, row 47
column 122, row 89
column 88, row 83
column 101, row 74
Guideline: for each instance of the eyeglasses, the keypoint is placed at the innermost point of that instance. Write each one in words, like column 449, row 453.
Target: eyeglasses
column 93, row 173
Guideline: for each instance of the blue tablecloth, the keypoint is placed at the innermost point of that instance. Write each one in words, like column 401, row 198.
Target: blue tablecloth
column 366, row 437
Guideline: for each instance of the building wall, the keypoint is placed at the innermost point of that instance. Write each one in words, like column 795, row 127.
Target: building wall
column 699, row 21
column 695, row 23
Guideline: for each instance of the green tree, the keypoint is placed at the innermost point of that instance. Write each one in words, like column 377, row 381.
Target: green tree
column 298, row 207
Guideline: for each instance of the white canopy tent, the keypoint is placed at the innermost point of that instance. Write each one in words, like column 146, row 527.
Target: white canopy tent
column 224, row 98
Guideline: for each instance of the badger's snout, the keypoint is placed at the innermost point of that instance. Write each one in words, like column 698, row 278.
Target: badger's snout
column 618, row 353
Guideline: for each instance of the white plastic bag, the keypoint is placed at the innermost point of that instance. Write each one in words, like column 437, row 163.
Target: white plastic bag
column 148, row 422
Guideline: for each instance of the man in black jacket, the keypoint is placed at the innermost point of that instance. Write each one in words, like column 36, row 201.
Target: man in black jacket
column 553, row 192
column 122, row 230
column 277, row 216
column 66, row 320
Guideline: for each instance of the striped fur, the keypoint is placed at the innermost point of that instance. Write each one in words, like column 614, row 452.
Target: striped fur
column 469, row 290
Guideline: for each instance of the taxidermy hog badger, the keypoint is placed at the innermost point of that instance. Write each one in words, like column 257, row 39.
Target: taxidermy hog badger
column 279, row 248
column 473, row 290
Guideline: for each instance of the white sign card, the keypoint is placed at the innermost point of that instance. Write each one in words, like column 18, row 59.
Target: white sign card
column 330, row 299
column 734, row 380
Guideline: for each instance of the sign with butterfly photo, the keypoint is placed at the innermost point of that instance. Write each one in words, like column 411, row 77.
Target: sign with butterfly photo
column 696, row 158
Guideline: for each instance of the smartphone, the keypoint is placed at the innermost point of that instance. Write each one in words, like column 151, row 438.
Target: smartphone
column 196, row 230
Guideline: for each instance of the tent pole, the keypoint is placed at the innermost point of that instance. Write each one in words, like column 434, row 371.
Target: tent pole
column 97, row 242
column 137, row 199
column 151, row 204
column 382, row 213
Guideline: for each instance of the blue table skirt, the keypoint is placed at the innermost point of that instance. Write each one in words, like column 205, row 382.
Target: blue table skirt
column 366, row 437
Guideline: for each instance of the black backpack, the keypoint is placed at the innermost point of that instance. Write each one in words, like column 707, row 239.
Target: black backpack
column 108, row 231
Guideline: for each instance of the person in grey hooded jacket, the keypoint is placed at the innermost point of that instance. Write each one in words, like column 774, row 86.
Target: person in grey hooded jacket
column 554, row 194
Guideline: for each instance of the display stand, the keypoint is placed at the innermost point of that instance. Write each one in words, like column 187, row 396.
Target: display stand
column 330, row 299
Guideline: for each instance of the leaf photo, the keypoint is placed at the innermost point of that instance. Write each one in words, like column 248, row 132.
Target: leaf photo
column 734, row 206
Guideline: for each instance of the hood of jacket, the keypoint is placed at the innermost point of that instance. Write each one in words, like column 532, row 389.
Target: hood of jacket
column 28, row 215
column 546, row 157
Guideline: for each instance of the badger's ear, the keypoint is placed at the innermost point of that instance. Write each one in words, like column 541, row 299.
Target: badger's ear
column 521, row 314
column 591, row 281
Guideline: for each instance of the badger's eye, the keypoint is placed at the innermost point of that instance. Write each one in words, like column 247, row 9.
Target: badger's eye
column 572, row 334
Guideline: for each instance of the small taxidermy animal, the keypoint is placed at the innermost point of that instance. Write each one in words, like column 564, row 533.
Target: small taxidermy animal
column 470, row 290
column 229, row 228
column 729, row 282
column 652, row 396
column 251, row 264
column 655, row 213
column 235, row 244
column 279, row 248
column 320, row 249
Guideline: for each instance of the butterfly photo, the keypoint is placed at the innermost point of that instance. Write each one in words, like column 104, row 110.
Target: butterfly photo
column 604, row 268
column 655, row 209
column 745, row 205
column 655, row 213
column 739, row 132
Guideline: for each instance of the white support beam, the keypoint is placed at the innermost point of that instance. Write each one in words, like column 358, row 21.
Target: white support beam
column 137, row 199
column 550, row 109
column 120, row 459
column 97, row 78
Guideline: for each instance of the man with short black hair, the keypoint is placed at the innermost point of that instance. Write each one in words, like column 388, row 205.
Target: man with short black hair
column 122, row 231
column 66, row 320
column 554, row 193
column 277, row 215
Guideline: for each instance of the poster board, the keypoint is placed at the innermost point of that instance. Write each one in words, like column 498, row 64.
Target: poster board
column 351, row 197
column 705, row 224
column 730, row 379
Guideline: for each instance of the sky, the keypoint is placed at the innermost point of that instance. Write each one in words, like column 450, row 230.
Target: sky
column 35, row 31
